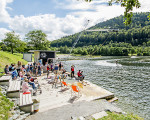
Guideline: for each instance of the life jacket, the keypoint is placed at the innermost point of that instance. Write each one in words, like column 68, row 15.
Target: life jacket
column 48, row 68
column 32, row 80
column 78, row 74
column 72, row 68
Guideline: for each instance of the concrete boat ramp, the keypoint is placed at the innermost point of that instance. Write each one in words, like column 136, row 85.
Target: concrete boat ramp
column 58, row 104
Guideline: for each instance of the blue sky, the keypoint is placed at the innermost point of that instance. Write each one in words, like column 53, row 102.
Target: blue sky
column 36, row 7
column 57, row 18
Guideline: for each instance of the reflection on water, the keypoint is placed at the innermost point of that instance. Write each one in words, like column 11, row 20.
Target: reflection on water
column 134, row 57
column 130, row 81
column 106, row 63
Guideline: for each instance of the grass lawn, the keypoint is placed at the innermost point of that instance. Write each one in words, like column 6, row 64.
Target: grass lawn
column 115, row 116
column 7, row 58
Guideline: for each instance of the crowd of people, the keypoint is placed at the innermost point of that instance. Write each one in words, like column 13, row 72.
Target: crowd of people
column 25, row 74
column 57, row 70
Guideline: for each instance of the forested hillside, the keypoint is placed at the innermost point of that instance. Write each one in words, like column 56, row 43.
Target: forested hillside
column 137, row 33
column 138, row 20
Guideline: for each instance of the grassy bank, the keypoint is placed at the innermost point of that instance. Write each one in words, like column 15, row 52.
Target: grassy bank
column 5, row 106
column 7, row 58
column 115, row 116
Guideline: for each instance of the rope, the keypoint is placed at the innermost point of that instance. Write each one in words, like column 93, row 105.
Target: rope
column 76, row 41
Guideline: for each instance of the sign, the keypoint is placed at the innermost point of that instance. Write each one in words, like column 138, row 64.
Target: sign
column 46, row 55
column 43, row 55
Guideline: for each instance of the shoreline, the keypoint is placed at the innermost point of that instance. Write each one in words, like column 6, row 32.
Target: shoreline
column 52, row 99
column 62, row 106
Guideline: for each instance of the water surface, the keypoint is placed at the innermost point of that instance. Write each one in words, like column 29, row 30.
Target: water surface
column 129, row 79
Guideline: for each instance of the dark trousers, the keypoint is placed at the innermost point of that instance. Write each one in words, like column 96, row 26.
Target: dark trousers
column 18, row 71
column 47, row 73
column 33, row 85
column 72, row 73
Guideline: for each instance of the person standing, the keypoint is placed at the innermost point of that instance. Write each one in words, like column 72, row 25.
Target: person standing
column 19, row 67
column 51, row 67
column 59, row 66
column 56, row 69
column 34, row 64
column 39, row 69
column 72, row 71
column 28, row 68
column 31, row 68
column 48, row 69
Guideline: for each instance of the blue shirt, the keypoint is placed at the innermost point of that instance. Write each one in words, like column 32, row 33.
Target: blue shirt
column 56, row 68
column 14, row 74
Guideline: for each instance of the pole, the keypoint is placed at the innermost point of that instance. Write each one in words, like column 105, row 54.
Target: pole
column 76, row 41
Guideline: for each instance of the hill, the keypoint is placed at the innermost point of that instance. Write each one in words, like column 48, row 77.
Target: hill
column 138, row 20
column 7, row 58
column 138, row 33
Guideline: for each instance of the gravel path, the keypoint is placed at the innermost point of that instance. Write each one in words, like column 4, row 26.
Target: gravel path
column 83, row 108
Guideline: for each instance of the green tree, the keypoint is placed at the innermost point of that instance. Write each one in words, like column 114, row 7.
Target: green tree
column 148, row 43
column 84, row 52
column 1, row 45
column 38, row 40
column 21, row 46
column 13, row 42
column 132, row 51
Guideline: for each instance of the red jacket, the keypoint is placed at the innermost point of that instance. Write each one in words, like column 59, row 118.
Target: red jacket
column 78, row 73
column 48, row 68
column 72, row 68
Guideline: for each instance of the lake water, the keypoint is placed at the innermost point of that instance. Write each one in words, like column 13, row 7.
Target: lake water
column 129, row 79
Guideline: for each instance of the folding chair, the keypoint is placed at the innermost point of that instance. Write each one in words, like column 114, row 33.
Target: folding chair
column 63, row 84
column 75, row 89
column 80, row 85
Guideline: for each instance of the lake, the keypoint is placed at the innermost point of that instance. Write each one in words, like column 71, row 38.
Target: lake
column 128, row 79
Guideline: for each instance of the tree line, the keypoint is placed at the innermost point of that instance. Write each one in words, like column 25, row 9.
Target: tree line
column 111, row 49
column 34, row 40
column 37, row 40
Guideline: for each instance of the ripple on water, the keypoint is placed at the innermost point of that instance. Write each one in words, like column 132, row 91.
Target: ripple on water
column 130, row 82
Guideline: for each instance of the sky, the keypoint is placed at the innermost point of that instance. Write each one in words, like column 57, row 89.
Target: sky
column 56, row 18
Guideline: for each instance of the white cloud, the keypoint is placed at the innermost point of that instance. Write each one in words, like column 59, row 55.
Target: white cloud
column 81, row 4
column 145, row 6
column 77, row 5
column 53, row 26
column 4, row 16
column 3, row 31
column 56, row 27
column 100, row 14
